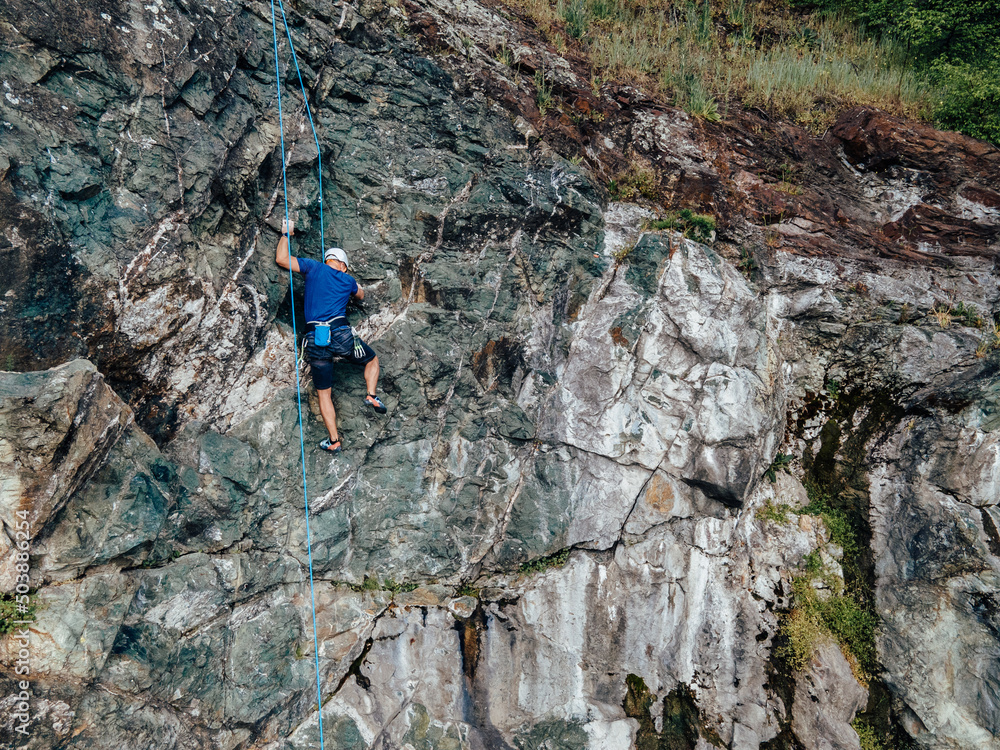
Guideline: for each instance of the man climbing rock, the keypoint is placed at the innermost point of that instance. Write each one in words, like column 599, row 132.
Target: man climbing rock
column 328, row 334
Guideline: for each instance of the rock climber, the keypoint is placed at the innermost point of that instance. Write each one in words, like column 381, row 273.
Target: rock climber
column 328, row 334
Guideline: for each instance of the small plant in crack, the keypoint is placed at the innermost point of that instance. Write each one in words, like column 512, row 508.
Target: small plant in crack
column 968, row 315
column 747, row 263
column 776, row 513
column 781, row 463
column 544, row 92
column 942, row 314
column 556, row 560
column 13, row 609
column 505, row 56
column 989, row 342
column 390, row 585
column 694, row 226
column 623, row 252
column 467, row 589
column 467, row 45
column 833, row 389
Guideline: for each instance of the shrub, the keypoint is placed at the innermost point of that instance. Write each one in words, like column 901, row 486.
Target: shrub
column 867, row 736
column 839, row 615
column 970, row 99
column 802, row 631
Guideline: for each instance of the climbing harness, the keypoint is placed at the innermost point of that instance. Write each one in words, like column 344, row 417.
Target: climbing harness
column 298, row 389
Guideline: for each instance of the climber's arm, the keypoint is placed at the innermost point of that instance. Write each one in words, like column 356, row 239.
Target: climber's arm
column 281, row 256
column 360, row 294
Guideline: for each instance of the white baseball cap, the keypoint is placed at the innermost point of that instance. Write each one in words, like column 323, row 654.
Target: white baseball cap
column 335, row 253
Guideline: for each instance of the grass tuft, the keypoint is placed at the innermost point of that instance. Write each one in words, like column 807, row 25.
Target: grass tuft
column 543, row 94
column 698, row 227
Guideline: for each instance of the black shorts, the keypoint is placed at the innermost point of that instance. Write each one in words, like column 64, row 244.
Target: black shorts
column 341, row 346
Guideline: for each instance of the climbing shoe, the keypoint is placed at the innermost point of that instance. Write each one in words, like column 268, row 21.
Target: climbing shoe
column 375, row 402
column 330, row 447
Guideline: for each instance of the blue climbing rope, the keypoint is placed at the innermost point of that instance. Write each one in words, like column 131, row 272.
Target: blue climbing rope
column 298, row 388
column 312, row 125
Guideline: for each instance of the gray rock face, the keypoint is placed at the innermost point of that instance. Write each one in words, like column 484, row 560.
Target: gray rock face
column 560, row 536
column 826, row 699
column 675, row 355
column 937, row 586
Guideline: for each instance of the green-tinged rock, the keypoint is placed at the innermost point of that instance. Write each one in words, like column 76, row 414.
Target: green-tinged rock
column 118, row 511
column 553, row 734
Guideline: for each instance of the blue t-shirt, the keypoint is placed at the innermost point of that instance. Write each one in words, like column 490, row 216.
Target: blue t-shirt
column 327, row 290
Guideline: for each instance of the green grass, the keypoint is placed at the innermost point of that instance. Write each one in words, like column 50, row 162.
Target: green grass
column 576, row 15
column 543, row 89
column 969, row 315
column 799, row 64
column 504, row 56
column 842, row 65
column 956, row 45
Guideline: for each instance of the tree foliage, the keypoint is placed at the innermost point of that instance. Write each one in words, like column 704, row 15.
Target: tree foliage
column 956, row 43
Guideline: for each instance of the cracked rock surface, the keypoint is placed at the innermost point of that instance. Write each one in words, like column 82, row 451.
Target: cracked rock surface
column 562, row 535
